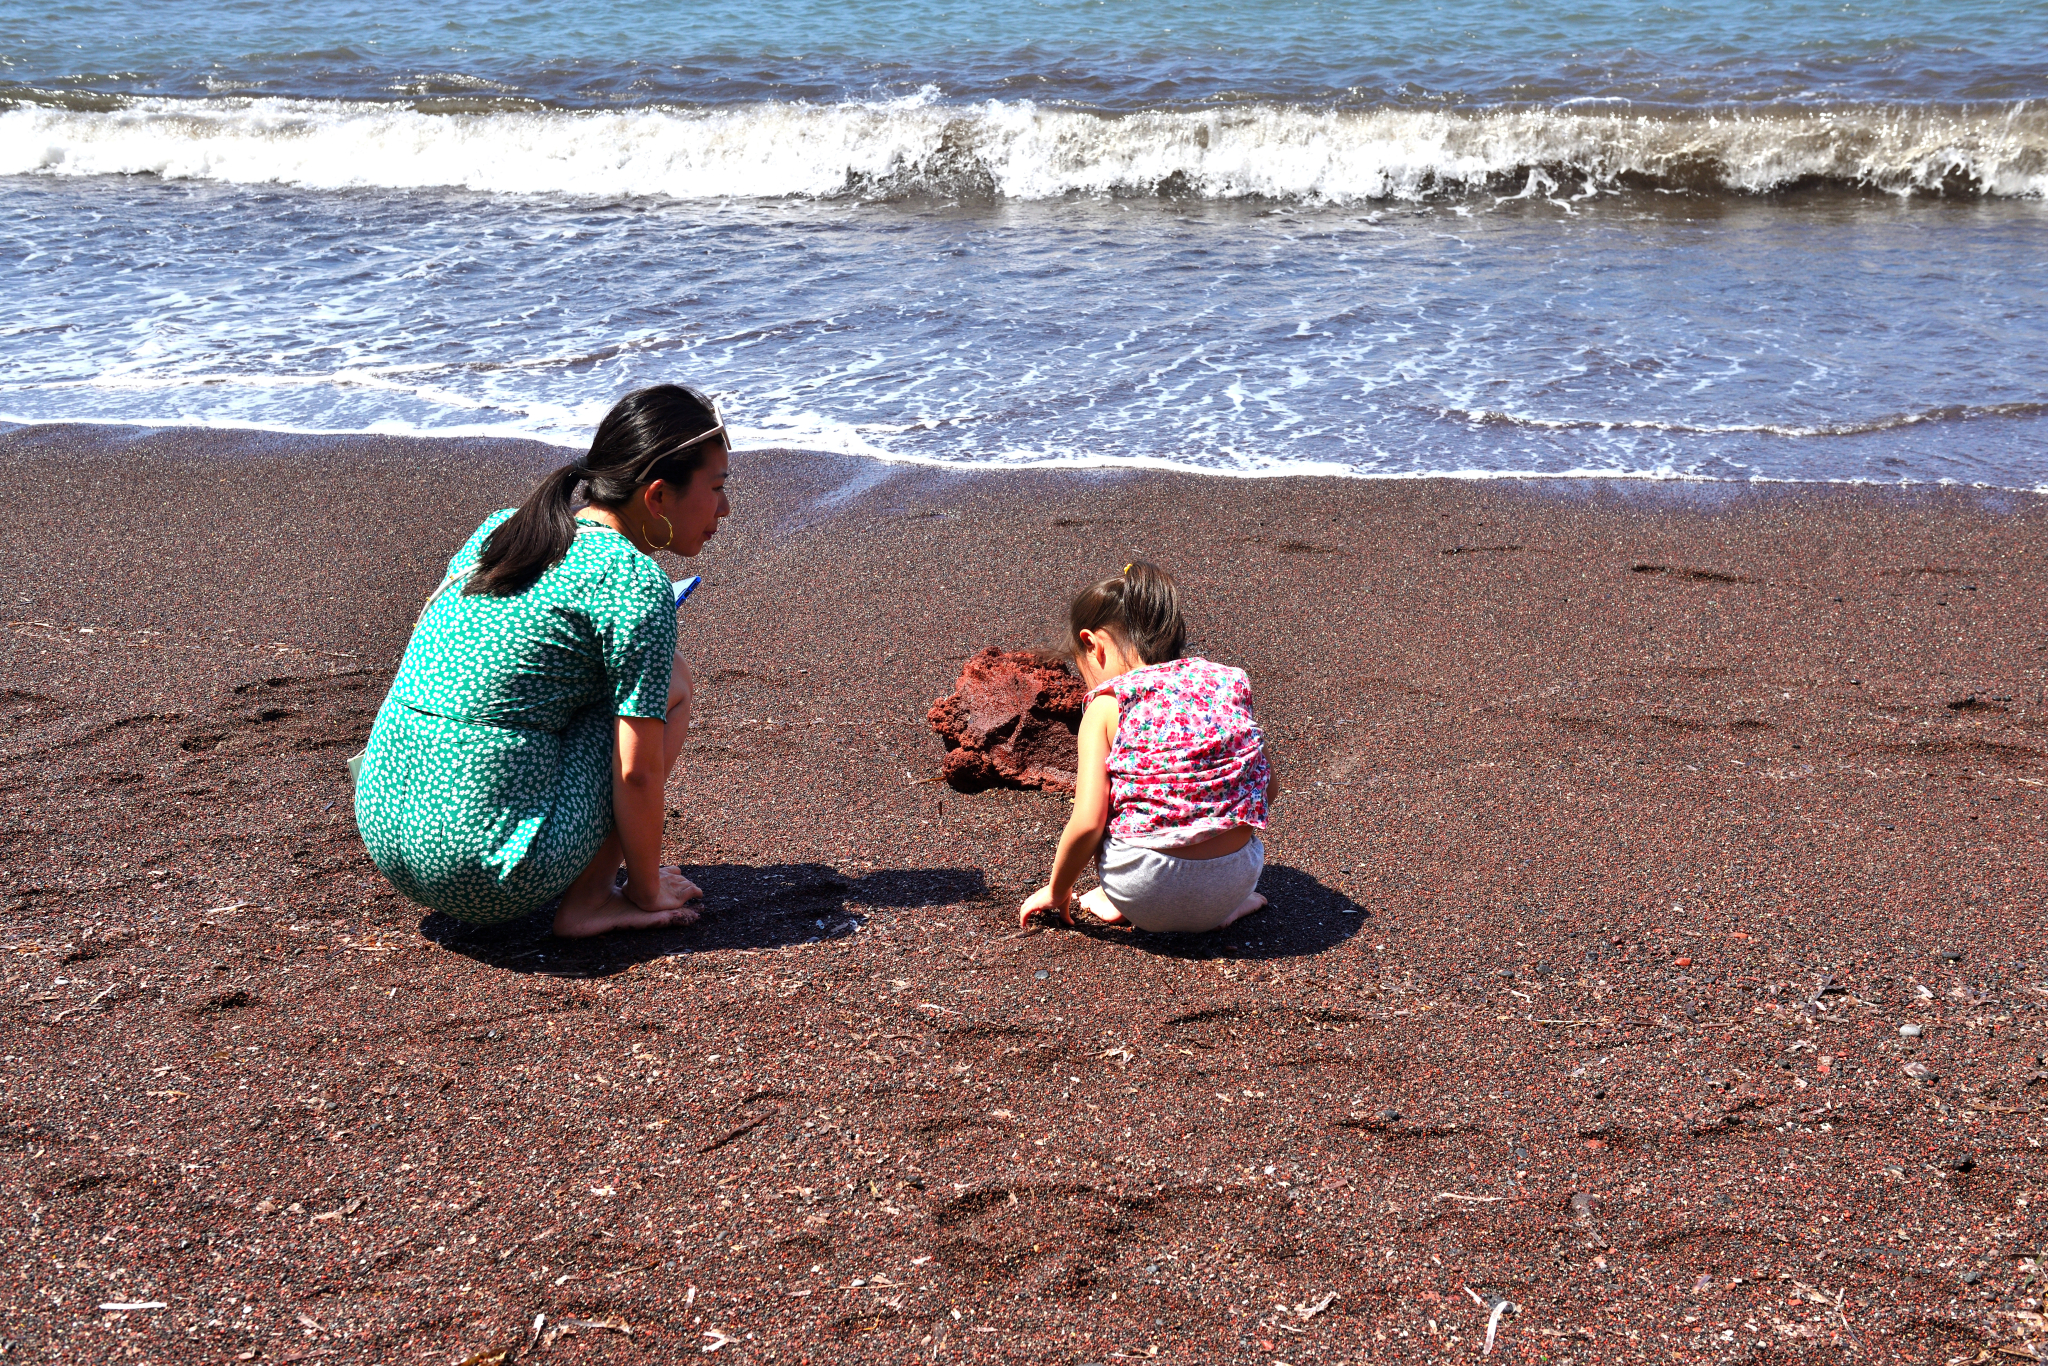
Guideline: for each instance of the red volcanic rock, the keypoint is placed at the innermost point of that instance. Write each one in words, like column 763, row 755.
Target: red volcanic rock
column 1011, row 719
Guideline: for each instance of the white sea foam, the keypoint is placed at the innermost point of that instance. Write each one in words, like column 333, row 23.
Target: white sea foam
column 747, row 439
column 1020, row 150
column 1870, row 426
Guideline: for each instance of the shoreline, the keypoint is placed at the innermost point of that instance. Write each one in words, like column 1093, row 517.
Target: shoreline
column 1106, row 464
column 1612, row 812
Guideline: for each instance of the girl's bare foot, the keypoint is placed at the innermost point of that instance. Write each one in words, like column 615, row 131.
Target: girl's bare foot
column 1097, row 905
column 1244, row 908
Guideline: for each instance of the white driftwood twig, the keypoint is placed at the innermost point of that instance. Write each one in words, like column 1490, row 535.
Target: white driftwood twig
column 80, row 1010
column 1494, row 1322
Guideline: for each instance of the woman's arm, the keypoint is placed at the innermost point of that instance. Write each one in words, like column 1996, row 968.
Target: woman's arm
column 1083, row 835
column 639, row 787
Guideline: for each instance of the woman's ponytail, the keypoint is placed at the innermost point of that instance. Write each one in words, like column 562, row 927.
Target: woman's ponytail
column 654, row 433
column 531, row 539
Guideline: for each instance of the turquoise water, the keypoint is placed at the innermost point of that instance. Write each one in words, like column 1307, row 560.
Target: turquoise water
column 1722, row 241
column 1090, row 52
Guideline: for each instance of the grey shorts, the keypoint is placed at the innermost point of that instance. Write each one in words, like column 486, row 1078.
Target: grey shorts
column 1168, row 895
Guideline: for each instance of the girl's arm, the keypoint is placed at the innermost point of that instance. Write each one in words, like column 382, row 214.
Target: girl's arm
column 639, row 784
column 1083, row 835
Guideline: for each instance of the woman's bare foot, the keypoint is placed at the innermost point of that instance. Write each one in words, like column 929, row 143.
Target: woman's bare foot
column 616, row 913
column 592, row 907
column 1097, row 905
column 1244, row 908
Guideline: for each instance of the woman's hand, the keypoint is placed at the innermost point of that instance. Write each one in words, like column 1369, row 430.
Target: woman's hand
column 1040, row 901
column 639, row 779
column 672, row 892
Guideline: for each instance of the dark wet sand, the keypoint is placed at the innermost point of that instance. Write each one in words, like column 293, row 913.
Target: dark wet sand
column 1592, row 790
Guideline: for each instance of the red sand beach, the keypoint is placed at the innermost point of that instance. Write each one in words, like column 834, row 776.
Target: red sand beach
column 1625, row 828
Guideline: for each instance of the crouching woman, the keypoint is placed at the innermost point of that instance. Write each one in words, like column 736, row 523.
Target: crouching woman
column 523, row 751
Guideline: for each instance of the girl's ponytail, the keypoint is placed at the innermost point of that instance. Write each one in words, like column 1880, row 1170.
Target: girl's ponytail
column 662, row 432
column 1141, row 606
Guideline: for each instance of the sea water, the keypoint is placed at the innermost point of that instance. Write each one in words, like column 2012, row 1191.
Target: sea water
column 1725, row 240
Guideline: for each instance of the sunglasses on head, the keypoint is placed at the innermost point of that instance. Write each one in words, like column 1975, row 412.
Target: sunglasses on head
column 717, row 426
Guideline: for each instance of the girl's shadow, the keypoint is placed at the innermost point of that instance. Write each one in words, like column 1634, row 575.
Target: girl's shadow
column 1303, row 916
column 746, row 906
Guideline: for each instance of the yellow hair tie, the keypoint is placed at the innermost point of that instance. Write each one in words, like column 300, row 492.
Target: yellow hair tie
column 1127, row 568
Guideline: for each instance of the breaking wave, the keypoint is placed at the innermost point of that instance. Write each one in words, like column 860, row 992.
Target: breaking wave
column 1018, row 150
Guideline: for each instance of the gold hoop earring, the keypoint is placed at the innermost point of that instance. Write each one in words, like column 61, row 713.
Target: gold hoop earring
column 671, row 535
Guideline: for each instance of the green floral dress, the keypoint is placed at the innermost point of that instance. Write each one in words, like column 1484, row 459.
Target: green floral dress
column 487, row 785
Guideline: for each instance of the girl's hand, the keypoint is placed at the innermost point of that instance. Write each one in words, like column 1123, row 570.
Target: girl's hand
column 674, row 892
column 1082, row 838
column 1039, row 901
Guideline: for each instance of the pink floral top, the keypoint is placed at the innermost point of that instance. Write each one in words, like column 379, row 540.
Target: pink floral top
column 1187, row 760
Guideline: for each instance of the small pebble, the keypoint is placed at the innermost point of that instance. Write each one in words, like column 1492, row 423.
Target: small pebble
column 1681, row 962
column 1040, row 974
column 1909, row 1031
column 1950, row 955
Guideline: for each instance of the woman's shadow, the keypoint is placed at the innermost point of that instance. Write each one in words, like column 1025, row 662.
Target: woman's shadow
column 778, row 905
column 746, row 906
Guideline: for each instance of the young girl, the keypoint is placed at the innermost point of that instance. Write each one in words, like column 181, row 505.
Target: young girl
column 1172, row 767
